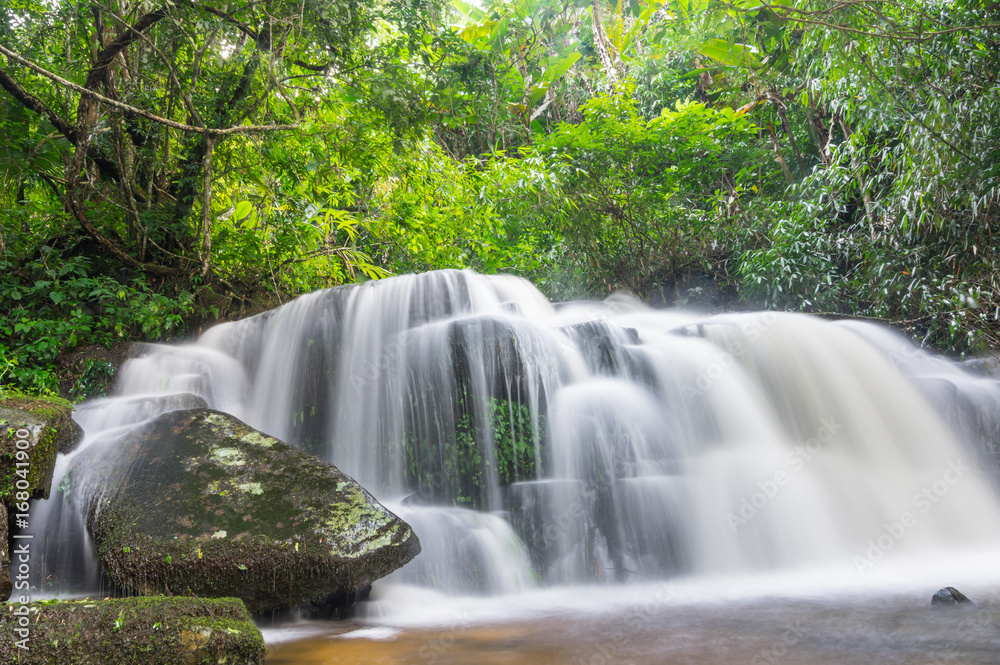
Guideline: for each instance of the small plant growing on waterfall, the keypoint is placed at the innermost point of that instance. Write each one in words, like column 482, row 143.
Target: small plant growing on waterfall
column 459, row 475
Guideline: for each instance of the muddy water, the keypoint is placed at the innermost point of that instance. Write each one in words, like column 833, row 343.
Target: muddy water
column 887, row 629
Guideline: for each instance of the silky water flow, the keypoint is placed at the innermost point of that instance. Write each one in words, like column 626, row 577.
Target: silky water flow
column 600, row 457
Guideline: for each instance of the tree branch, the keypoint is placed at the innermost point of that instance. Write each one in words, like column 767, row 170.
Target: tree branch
column 99, row 237
column 789, row 13
column 32, row 103
column 239, row 129
column 243, row 27
column 99, row 71
column 206, row 208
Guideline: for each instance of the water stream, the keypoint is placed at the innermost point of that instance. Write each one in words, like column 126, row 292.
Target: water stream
column 595, row 459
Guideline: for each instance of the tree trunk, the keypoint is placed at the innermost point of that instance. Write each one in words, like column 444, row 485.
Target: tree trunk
column 778, row 156
column 206, row 208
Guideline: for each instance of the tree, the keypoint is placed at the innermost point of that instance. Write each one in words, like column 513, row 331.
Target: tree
column 123, row 111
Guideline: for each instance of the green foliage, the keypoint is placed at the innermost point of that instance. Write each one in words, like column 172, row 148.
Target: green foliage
column 53, row 304
column 801, row 154
column 897, row 220
column 509, row 445
column 94, row 381
column 517, row 441
column 636, row 197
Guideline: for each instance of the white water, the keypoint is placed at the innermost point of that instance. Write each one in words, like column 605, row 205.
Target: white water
column 731, row 454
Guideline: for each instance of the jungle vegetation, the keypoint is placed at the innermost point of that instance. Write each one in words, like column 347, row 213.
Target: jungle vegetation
column 164, row 159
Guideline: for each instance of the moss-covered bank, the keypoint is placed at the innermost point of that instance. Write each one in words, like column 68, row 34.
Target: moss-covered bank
column 130, row 631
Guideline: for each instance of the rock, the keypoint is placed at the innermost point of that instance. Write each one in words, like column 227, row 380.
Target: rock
column 33, row 431
column 151, row 631
column 111, row 412
column 988, row 366
column 949, row 596
column 6, row 586
column 48, row 429
column 605, row 347
column 197, row 502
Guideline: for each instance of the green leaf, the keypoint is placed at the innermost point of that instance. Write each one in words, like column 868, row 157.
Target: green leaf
column 243, row 208
column 559, row 66
column 733, row 55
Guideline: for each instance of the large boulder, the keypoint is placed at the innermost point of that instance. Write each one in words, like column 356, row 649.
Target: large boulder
column 32, row 432
column 151, row 631
column 197, row 502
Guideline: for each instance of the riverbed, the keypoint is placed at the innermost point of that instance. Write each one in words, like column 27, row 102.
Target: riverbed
column 818, row 617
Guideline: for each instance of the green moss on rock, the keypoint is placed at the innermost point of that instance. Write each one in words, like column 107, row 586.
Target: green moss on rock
column 51, row 431
column 198, row 502
column 131, row 631
column 6, row 584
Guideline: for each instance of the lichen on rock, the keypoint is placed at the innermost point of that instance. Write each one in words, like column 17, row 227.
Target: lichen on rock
column 198, row 502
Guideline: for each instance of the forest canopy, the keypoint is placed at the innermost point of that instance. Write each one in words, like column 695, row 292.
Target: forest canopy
column 836, row 157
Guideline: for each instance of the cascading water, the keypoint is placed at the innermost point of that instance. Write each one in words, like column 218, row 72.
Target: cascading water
column 531, row 444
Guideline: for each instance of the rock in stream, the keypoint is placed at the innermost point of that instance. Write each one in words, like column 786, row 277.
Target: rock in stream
column 197, row 502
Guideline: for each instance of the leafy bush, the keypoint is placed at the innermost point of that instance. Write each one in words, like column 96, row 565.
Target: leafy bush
column 52, row 305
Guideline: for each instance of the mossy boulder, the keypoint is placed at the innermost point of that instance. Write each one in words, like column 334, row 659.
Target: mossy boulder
column 6, row 584
column 199, row 502
column 33, row 430
column 50, row 430
column 130, row 631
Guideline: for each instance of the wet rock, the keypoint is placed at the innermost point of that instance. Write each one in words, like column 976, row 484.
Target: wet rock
column 6, row 586
column 553, row 521
column 605, row 347
column 112, row 412
column 32, row 432
column 197, row 502
column 478, row 405
column 158, row 404
column 949, row 596
column 988, row 366
column 151, row 631
column 972, row 408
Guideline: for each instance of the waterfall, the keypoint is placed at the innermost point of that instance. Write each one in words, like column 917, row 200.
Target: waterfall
column 530, row 443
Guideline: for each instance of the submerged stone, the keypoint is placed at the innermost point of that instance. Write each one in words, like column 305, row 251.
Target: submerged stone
column 151, row 631
column 197, row 502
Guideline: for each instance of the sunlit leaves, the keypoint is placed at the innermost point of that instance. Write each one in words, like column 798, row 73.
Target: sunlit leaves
column 728, row 53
